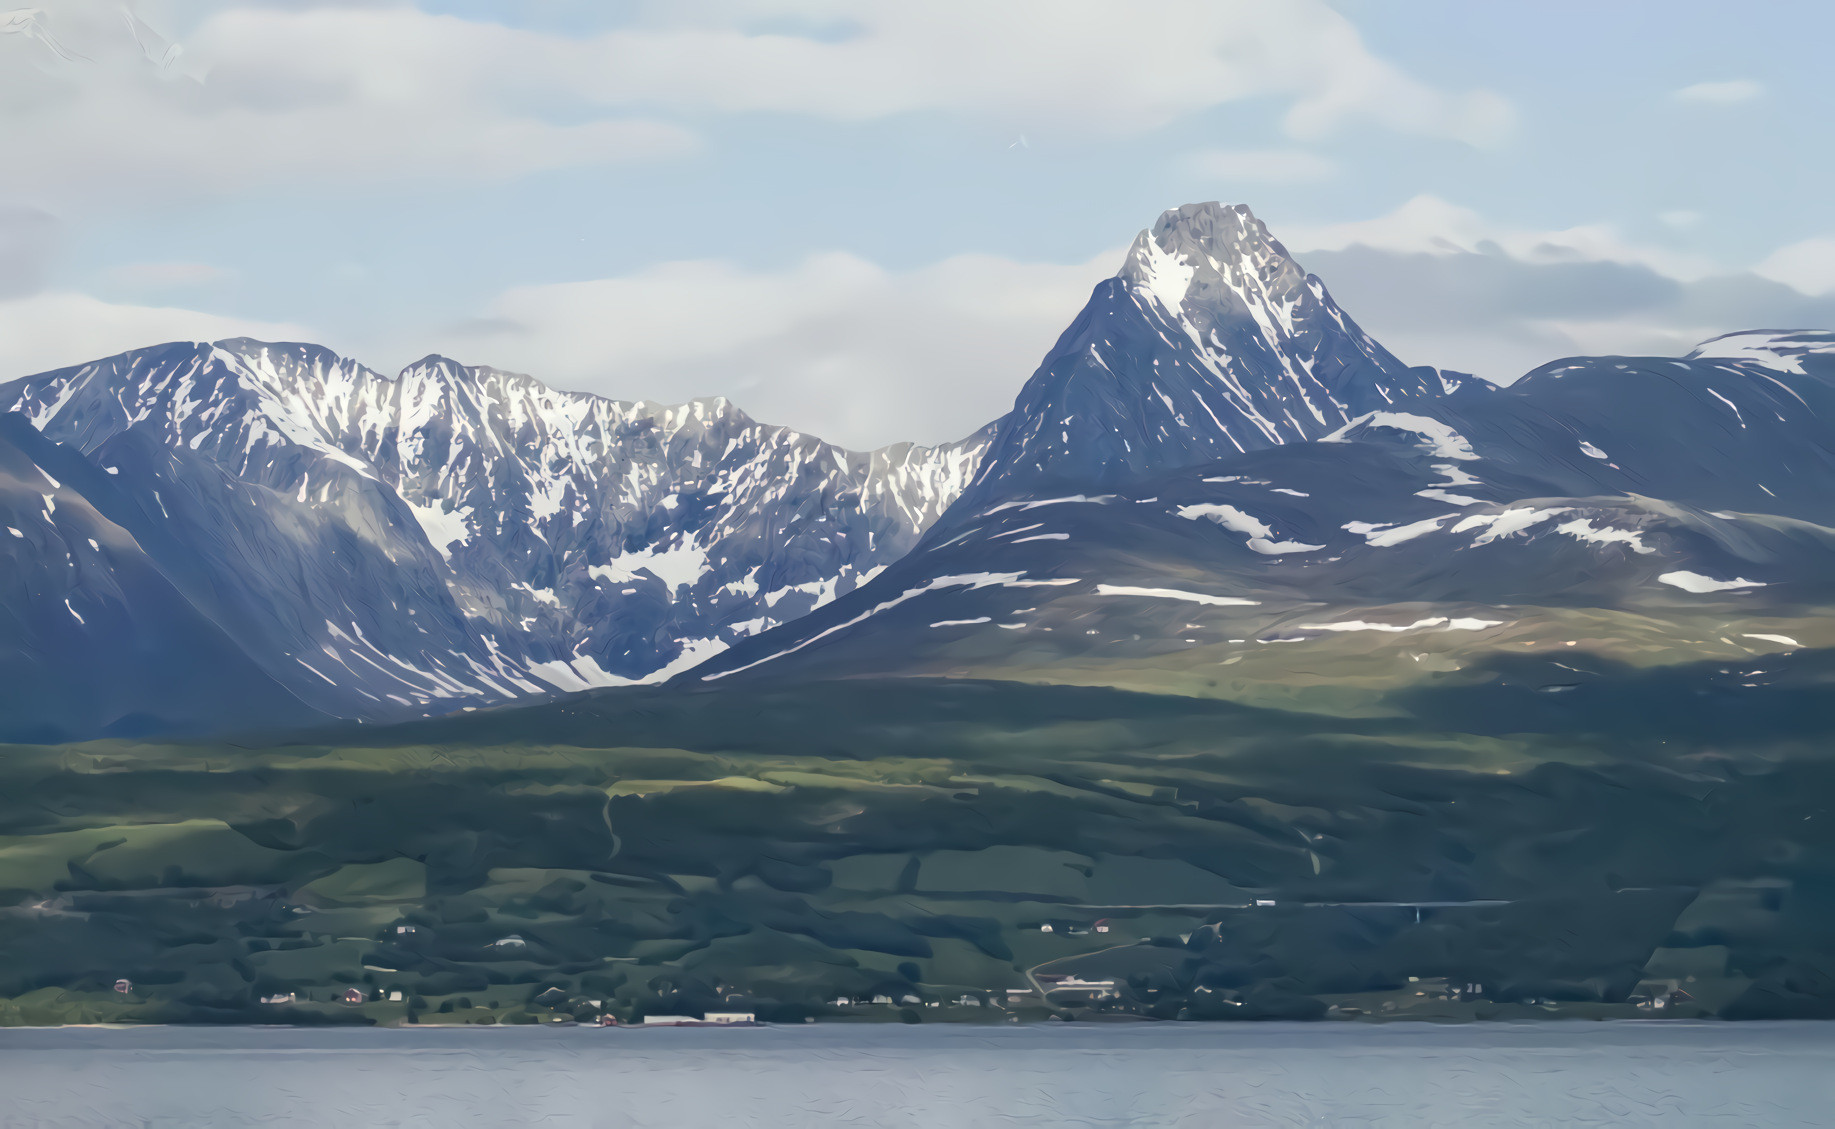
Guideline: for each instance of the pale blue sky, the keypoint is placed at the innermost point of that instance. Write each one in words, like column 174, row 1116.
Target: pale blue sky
column 824, row 210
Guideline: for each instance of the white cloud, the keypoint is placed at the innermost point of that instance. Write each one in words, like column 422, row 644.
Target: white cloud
column 841, row 347
column 845, row 349
column 1807, row 266
column 1443, row 285
column 165, row 276
column 1720, row 93
column 29, row 24
column 336, row 98
column 351, row 94
column 53, row 329
column 861, row 355
column 1263, row 166
column 27, row 236
column 1429, row 225
column 833, row 345
column 1077, row 64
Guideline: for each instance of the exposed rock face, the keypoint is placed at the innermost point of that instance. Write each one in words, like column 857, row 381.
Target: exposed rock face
column 455, row 536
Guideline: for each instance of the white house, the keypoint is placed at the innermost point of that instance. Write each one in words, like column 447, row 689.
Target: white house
column 1098, row 988
column 725, row 1017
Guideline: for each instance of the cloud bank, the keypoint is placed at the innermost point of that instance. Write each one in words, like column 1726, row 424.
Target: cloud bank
column 343, row 96
column 864, row 356
column 1442, row 285
column 833, row 345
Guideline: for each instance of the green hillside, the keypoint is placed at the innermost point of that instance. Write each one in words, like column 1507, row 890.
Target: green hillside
column 1494, row 850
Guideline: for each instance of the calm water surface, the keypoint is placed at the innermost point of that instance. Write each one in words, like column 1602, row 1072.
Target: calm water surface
column 1574, row 1073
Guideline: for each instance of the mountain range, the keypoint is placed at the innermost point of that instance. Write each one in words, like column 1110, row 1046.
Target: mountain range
column 1241, row 670
column 1215, row 483
column 381, row 548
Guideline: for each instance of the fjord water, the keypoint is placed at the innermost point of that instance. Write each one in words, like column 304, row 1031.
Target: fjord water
column 1276, row 1074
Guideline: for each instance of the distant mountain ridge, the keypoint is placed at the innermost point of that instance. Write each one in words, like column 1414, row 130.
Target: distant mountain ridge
column 1213, row 458
column 451, row 537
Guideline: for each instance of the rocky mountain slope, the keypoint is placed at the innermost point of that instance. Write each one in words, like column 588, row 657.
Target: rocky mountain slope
column 1216, row 483
column 451, row 537
column 1396, row 530
column 96, row 638
column 1210, row 341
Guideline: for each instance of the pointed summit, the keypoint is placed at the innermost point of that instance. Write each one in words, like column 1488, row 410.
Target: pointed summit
column 1209, row 253
column 1208, row 342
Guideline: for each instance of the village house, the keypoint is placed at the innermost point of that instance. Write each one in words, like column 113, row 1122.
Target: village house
column 1096, row 989
column 352, row 996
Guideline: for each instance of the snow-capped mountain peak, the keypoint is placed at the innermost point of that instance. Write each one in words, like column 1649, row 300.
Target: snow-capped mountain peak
column 1210, row 341
column 1201, row 251
column 390, row 546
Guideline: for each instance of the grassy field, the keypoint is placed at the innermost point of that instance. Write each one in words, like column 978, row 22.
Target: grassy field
column 1487, row 851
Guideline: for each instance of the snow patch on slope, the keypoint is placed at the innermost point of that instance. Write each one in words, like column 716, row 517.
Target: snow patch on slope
column 1440, row 621
column 444, row 527
column 1438, row 436
column 1174, row 594
column 1779, row 352
column 969, row 580
column 1699, row 584
column 675, row 565
column 1259, row 533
